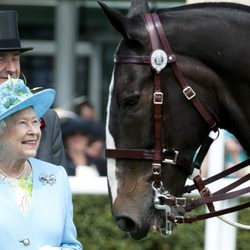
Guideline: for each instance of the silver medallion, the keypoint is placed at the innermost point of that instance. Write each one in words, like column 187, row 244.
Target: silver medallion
column 159, row 60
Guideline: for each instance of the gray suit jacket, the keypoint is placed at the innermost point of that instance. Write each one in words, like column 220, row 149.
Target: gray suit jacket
column 51, row 147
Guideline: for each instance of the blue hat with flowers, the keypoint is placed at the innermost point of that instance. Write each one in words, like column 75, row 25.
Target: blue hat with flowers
column 16, row 96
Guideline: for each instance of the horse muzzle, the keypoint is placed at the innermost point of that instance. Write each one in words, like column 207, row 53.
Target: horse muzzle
column 133, row 215
column 145, row 218
column 132, row 227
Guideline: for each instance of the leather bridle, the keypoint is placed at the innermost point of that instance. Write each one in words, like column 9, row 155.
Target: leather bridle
column 161, row 56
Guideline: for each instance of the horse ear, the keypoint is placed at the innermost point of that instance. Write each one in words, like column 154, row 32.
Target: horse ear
column 118, row 20
column 121, row 22
column 138, row 7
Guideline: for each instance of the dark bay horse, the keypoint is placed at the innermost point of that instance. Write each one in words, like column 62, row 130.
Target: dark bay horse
column 210, row 46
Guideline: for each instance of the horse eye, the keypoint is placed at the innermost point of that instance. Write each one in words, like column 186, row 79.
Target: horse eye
column 130, row 102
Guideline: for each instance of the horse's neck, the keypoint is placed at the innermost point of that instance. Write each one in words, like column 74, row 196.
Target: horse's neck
column 221, row 43
column 223, row 46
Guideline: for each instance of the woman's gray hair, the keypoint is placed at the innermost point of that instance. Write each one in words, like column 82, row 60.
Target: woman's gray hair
column 2, row 126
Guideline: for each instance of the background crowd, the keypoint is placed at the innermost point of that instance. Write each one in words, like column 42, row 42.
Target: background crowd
column 84, row 140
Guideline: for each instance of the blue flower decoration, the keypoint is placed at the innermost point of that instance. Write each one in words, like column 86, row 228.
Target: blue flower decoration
column 10, row 100
column 13, row 93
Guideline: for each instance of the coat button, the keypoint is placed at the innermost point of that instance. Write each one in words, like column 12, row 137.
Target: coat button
column 26, row 241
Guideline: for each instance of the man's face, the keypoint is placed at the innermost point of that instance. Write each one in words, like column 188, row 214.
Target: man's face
column 9, row 65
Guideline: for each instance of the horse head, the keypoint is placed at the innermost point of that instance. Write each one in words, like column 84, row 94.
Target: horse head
column 142, row 121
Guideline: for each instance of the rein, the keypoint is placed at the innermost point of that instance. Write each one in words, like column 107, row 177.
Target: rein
column 167, row 154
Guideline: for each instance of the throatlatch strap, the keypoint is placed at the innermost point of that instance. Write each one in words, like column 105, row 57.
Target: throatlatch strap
column 202, row 152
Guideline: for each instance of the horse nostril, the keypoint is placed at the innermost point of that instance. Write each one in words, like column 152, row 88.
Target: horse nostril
column 126, row 224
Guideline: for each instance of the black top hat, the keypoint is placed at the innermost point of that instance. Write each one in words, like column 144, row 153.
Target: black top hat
column 9, row 35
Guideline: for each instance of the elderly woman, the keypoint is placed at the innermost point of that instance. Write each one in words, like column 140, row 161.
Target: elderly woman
column 36, row 206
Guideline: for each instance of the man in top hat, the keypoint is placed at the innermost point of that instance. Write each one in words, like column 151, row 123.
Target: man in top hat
column 51, row 147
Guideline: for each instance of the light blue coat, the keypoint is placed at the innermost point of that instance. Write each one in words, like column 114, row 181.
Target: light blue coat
column 50, row 219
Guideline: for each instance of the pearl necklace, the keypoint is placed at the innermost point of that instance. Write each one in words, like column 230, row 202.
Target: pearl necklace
column 25, row 173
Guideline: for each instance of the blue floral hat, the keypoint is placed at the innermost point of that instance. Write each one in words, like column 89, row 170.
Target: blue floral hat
column 16, row 96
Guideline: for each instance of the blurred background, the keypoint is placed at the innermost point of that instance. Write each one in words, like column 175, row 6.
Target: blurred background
column 73, row 45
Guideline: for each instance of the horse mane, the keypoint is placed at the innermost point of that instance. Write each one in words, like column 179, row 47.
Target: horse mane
column 225, row 5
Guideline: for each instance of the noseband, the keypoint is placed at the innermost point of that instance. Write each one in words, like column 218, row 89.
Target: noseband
column 160, row 57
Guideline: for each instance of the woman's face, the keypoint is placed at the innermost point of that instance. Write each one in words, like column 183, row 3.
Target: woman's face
column 22, row 135
column 76, row 142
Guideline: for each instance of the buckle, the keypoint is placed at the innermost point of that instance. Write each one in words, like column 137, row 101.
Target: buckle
column 172, row 161
column 180, row 202
column 156, row 168
column 189, row 93
column 205, row 192
column 179, row 219
column 158, row 98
